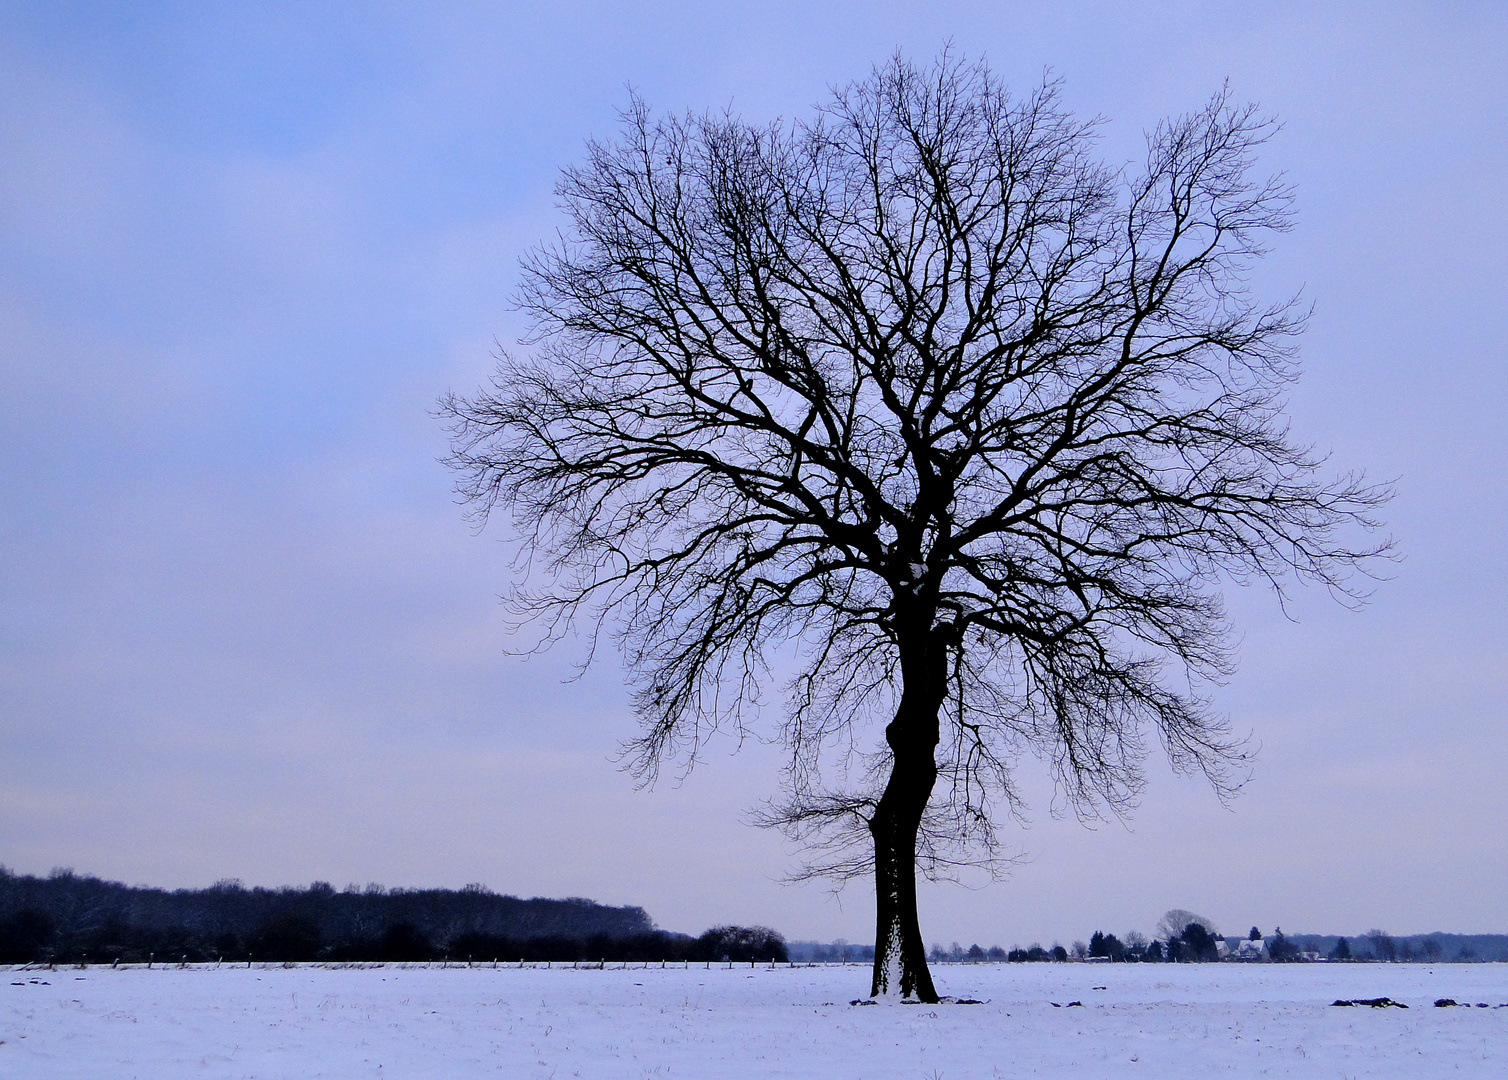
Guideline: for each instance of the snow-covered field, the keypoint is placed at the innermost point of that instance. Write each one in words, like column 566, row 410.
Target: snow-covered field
column 1146, row 1021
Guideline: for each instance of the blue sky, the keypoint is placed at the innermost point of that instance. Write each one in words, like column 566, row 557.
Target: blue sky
column 244, row 630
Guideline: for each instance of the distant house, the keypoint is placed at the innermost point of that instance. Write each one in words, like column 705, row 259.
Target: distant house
column 1251, row 950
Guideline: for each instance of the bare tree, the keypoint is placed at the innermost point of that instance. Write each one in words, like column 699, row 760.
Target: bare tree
column 1384, row 948
column 918, row 410
column 1176, row 920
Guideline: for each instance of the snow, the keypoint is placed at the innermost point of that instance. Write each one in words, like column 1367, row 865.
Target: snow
column 890, row 985
column 1152, row 1020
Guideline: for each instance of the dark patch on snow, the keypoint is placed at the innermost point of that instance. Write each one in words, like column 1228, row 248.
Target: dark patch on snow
column 940, row 1001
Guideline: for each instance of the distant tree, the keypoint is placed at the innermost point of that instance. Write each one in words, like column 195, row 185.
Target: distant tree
column 1199, row 943
column 1059, row 953
column 1173, row 923
column 1342, row 950
column 975, row 954
column 1154, row 951
column 1255, row 935
column 1280, row 949
column 741, row 944
column 1080, row 949
column 996, row 953
column 1383, row 946
column 841, row 949
column 1097, row 944
column 918, row 410
column 1431, row 949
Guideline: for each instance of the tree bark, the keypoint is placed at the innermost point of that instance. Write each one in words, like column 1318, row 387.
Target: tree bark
column 900, row 955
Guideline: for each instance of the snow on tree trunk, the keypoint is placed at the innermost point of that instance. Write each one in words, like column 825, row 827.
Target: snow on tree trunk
column 900, row 959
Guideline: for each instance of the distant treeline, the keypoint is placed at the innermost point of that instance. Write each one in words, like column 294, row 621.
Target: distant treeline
column 1197, row 945
column 836, row 952
column 976, row 954
column 1415, row 948
column 71, row 918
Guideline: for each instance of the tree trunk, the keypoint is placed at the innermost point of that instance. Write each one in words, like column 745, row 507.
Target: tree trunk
column 900, row 955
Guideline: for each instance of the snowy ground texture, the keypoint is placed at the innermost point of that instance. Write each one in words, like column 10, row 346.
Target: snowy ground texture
column 1152, row 1020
